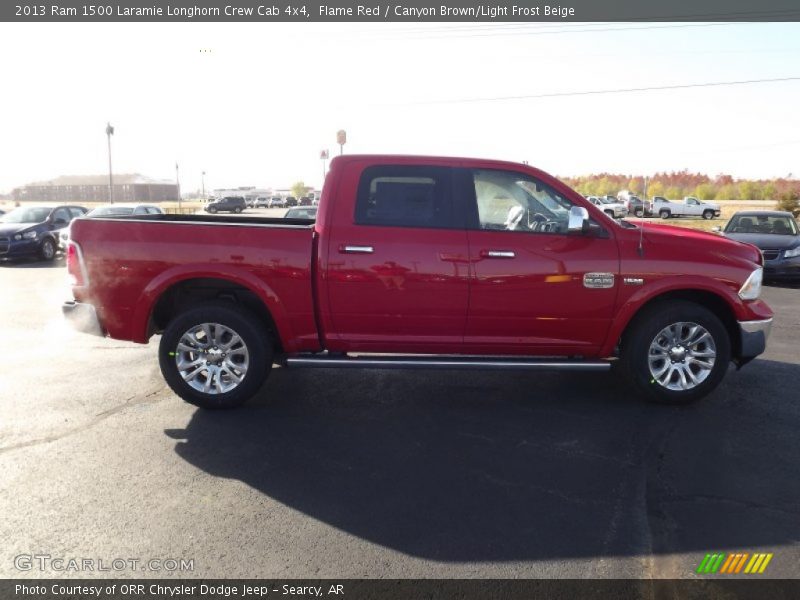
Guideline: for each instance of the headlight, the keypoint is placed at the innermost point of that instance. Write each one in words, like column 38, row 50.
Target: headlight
column 792, row 253
column 28, row 235
column 752, row 287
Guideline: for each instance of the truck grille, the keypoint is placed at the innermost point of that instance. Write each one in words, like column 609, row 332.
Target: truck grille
column 770, row 254
column 4, row 241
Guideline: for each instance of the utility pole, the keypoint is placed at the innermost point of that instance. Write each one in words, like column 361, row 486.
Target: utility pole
column 203, row 186
column 178, row 183
column 109, row 133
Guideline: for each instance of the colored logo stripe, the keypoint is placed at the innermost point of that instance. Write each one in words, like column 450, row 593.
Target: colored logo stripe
column 734, row 563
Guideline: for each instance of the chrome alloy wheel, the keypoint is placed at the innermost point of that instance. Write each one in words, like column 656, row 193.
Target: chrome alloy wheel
column 682, row 356
column 212, row 358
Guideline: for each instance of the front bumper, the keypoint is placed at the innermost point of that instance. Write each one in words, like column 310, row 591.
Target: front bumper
column 754, row 335
column 782, row 268
column 83, row 317
column 19, row 248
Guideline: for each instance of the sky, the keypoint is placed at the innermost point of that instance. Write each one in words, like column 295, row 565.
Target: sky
column 253, row 104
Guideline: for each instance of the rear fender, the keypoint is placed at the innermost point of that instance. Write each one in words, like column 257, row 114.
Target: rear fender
column 160, row 284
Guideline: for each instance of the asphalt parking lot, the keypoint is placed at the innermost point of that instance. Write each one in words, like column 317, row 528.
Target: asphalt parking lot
column 384, row 473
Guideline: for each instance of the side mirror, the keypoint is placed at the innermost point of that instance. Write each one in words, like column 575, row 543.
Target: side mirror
column 578, row 219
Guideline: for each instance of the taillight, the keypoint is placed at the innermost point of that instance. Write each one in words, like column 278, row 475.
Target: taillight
column 75, row 266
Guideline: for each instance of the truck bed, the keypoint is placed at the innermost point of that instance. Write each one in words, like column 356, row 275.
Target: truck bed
column 131, row 261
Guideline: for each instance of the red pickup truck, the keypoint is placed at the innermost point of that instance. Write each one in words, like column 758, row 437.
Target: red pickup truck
column 421, row 262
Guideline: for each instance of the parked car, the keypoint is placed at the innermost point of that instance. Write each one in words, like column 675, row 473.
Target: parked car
column 406, row 270
column 291, row 201
column 614, row 209
column 111, row 210
column 2, row 212
column 261, row 202
column 276, row 202
column 233, row 204
column 690, row 207
column 301, row 213
column 775, row 233
column 304, row 201
column 34, row 230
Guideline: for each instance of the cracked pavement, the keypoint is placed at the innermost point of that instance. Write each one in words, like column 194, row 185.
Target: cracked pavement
column 385, row 473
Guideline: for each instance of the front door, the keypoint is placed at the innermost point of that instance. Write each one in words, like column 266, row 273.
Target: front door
column 537, row 289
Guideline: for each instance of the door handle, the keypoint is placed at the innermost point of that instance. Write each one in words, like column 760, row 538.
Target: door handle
column 356, row 249
column 498, row 254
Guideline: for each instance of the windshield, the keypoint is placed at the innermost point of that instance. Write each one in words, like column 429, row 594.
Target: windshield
column 774, row 224
column 26, row 215
column 105, row 211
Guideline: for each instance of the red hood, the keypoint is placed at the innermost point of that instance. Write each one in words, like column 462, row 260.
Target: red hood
column 704, row 241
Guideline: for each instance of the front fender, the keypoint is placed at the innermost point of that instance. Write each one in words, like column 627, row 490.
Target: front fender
column 686, row 283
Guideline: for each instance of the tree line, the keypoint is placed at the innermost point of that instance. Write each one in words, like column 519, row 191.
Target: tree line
column 678, row 184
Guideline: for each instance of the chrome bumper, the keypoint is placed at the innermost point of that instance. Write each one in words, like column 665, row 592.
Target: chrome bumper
column 754, row 335
column 82, row 317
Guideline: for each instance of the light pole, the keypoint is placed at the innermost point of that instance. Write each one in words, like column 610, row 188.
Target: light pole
column 203, row 186
column 324, row 156
column 109, row 133
column 341, row 139
column 178, row 184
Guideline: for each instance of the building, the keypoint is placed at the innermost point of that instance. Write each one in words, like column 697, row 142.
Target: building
column 94, row 188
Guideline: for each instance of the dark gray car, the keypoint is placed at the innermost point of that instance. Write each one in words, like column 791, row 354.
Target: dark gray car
column 776, row 234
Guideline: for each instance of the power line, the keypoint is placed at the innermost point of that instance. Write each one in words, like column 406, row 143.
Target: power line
column 598, row 92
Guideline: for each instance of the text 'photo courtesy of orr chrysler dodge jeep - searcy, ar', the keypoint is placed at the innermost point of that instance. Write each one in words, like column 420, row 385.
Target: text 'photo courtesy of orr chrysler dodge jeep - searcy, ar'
column 422, row 262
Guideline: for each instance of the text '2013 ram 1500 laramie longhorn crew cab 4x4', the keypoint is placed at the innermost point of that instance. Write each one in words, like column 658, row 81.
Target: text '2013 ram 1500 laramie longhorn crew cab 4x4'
column 418, row 262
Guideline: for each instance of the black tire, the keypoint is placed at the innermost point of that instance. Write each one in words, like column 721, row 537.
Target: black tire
column 639, row 213
column 664, row 214
column 212, row 210
column 708, row 214
column 254, row 337
column 47, row 249
column 642, row 332
column 237, row 210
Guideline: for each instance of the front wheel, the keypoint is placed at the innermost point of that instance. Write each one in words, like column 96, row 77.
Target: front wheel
column 237, row 210
column 675, row 353
column 47, row 251
column 639, row 213
column 216, row 355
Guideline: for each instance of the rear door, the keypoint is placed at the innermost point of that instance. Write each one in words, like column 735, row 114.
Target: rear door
column 397, row 272
column 537, row 289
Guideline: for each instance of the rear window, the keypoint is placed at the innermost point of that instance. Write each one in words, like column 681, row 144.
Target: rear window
column 404, row 196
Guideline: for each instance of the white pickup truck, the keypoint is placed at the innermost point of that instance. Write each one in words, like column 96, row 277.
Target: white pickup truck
column 690, row 207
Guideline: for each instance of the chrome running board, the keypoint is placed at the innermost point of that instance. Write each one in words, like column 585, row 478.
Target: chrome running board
column 443, row 362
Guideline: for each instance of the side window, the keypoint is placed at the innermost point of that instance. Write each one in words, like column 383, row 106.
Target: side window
column 62, row 214
column 513, row 201
column 404, row 196
column 152, row 210
column 76, row 212
column 140, row 210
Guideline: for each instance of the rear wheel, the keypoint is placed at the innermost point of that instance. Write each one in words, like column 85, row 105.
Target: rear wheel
column 708, row 214
column 675, row 353
column 47, row 251
column 216, row 355
column 212, row 210
column 664, row 214
column 639, row 212
column 237, row 210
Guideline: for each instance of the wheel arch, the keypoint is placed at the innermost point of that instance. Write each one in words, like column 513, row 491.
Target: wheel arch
column 714, row 301
column 171, row 293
